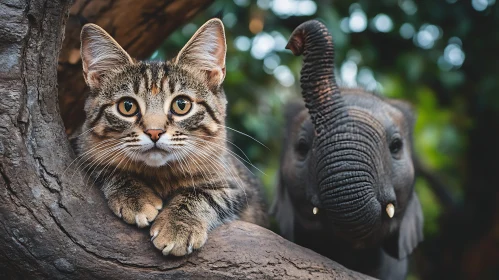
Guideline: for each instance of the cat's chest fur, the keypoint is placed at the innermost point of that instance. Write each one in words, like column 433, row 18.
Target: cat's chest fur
column 170, row 179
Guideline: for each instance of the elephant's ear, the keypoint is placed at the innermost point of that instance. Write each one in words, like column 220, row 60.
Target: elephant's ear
column 406, row 109
column 410, row 233
column 282, row 210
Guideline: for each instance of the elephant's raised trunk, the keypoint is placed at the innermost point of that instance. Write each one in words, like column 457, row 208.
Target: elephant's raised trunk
column 319, row 89
column 344, row 151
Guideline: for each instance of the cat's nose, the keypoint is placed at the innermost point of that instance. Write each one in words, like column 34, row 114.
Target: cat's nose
column 154, row 133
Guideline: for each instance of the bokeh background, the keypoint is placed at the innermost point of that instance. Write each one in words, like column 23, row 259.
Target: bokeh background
column 441, row 56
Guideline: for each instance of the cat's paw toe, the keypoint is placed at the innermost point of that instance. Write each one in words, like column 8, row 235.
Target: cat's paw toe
column 141, row 211
column 177, row 238
column 146, row 215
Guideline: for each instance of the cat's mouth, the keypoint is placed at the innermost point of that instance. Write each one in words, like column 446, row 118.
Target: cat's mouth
column 156, row 149
column 156, row 156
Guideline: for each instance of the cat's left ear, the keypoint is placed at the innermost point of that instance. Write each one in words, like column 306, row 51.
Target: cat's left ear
column 205, row 52
column 100, row 53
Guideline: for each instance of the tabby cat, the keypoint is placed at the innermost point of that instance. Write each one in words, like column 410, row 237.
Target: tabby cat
column 154, row 140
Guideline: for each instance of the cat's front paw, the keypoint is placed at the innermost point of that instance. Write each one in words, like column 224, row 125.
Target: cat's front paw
column 176, row 236
column 141, row 209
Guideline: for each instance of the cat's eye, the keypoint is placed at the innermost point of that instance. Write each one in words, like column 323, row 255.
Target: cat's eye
column 181, row 106
column 128, row 107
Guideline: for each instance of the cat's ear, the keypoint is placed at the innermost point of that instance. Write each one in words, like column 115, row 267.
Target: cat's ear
column 205, row 52
column 100, row 53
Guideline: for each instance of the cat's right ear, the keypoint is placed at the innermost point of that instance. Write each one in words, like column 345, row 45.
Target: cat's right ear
column 100, row 53
column 205, row 52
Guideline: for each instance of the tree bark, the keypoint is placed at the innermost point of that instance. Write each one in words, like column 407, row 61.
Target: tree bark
column 138, row 26
column 54, row 224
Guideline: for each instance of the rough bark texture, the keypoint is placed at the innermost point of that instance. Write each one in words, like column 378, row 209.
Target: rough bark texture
column 55, row 225
column 138, row 26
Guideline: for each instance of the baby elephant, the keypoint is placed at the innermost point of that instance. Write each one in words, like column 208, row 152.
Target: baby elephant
column 346, row 185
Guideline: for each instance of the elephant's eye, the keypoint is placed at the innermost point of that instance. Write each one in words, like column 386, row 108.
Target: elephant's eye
column 396, row 146
column 302, row 148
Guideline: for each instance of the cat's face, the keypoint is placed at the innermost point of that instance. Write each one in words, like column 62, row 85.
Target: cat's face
column 154, row 112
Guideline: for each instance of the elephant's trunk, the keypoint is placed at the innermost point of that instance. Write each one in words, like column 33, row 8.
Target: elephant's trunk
column 343, row 149
column 319, row 89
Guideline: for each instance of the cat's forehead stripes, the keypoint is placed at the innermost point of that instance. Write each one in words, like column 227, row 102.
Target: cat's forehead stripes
column 154, row 90
column 151, row 78
column 157, row 74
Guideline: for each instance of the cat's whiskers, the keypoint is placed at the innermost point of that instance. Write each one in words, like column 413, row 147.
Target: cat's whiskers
column 123, row 154
column 139, row 164
column 101, row 146
column 232, row 153
column 86, row 131
column 232, row 143
column 94, row 163
column 215, row 165
column 133, row 159
column 222, row 160
column 89, row 159
column 236, row 156
column 188, row 166
column 129, row 155
column 227, row 168
column 242, row 133
column 79, row 157
column 207, row 176
column 94, row 167
column 109, row 175
column 181, row 156
column 177, row 159
column 207, row 157
column 191, row 153
column 102, row 154
column 98, row 145
column 225, row 165
column 210, row 156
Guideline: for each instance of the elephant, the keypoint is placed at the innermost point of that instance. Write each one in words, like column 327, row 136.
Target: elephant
column 346, row 178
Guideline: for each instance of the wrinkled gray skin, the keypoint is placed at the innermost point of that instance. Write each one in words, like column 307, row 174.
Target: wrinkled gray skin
column 347, row 152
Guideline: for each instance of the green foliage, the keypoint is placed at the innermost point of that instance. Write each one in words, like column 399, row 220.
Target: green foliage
column 432, row 208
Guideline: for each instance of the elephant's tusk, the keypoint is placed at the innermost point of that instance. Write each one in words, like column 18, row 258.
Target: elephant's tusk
column 315, row 210
column 390, row 210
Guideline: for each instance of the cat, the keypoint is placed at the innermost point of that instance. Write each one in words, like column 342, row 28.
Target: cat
column 155, row 142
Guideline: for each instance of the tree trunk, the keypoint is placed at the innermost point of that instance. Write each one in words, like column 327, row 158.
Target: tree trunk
column 56, row 225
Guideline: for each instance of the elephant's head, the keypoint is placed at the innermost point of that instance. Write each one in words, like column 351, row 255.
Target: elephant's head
column 348, row 156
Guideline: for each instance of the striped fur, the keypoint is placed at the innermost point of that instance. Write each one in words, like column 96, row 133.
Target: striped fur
column 189, row 181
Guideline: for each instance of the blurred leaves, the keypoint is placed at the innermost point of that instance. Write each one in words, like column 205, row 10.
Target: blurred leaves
column 432, row 208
